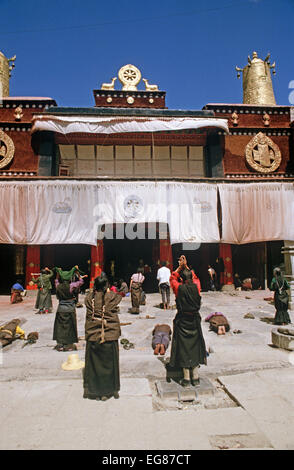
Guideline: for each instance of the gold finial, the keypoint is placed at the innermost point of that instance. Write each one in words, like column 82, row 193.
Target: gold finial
column 257, row 82
column 18, row 114
column 266, row 119
column 235, row 118
column 6, row 66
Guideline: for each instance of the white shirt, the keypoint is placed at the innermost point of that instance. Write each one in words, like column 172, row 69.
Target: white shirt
column 163, row 275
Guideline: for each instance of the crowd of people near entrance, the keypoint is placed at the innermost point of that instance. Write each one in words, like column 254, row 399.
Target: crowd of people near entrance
column 101, row 377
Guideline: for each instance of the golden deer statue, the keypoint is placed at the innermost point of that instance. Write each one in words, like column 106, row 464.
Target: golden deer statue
column 108, row 86
column 150, row 87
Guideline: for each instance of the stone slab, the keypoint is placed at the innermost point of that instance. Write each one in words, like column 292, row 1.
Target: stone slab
column 240, row 441
column 130, row 387
column 281, row 340
column 266, row 403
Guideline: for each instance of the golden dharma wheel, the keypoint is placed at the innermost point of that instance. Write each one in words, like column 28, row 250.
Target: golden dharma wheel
column 129, row 76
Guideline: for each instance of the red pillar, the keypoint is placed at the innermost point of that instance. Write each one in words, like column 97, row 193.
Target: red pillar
column 165, row 253
column 97, row 261
column 225, row 252
column 32, row 265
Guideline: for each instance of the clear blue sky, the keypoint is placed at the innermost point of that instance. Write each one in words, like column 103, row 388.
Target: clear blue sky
column 67, row 48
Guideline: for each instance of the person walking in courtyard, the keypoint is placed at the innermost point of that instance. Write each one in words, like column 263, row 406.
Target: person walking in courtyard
column 65, row 326
column 281, row 298
column 188, row 349
column 44, row 300
column 137, row 280
column 102, row 330
column 163, row 276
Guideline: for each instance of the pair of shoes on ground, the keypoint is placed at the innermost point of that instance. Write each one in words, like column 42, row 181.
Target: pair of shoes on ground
column 186, row 383
column 126, row 344
column 159, row 349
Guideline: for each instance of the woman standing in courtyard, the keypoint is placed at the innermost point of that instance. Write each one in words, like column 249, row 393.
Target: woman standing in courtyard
column 44, row 300
column 279, row 285
column 102, row 330
column 65, row 326
column 188, row 349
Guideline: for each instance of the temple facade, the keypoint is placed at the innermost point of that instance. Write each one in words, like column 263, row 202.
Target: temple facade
column 130, row 181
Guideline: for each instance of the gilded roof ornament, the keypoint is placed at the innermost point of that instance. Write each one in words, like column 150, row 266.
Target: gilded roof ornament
column 18, row 114
column 129, row 76
column 262, row 154
column 149, row 87
column 6, row 66
column 6, row 149
column 257, row 82
column 108, row 86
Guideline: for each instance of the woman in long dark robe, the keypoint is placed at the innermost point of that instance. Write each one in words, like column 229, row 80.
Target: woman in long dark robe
column 65, row 326
column 44, row 300
column 188, row 349
column 102, row 330
column 279, row 285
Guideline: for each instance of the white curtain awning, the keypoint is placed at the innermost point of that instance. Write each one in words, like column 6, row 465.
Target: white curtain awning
column 119, row 124
column 257, row 212
column 72, row 212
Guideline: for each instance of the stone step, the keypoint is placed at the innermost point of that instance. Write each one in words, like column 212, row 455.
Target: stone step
column 174, row 391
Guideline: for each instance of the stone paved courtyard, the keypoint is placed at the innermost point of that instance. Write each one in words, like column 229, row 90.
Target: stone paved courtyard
column 245, row 398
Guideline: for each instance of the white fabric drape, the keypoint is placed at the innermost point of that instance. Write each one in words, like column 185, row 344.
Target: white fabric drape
column 192, row 213
column 13, row 210
column 109, row 125
column 72, row 212
column 257, row 212
column 60, row 213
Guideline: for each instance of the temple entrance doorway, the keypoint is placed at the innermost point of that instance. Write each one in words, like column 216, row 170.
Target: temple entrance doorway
column 122, row 258
column 124, row 251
